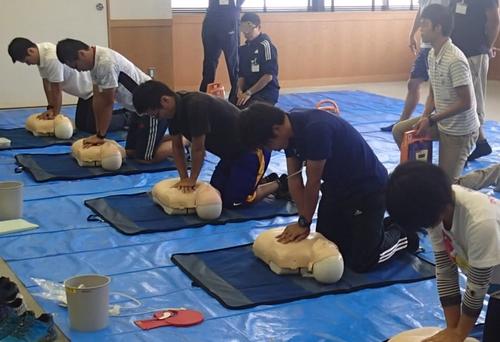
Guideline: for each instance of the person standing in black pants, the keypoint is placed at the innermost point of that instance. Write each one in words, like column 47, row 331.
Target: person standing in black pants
column 221, row 32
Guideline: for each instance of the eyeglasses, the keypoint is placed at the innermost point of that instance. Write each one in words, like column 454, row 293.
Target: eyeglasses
column 247, row 27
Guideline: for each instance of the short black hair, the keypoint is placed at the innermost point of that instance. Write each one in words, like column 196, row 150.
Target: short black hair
column 251, row 17
column 147, row 95
column 67, row 50
column 256, row 124
column 417, row 194
column 439, row 15
column 18, row 48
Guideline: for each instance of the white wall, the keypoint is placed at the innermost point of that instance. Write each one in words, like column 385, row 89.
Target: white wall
column 43, row 21
column 140, row 9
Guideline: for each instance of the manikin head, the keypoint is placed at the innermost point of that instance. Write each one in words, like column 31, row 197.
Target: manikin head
column 24, row 51
column 208, row 202
column 63, row 127
column 112, row 158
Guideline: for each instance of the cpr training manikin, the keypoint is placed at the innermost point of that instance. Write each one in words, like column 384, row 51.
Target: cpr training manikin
column 205, row 200
column 109, row 155
column 314, row 256
column 61, row 126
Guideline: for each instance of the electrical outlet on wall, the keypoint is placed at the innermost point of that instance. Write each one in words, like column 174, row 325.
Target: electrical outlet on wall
column 152, row 72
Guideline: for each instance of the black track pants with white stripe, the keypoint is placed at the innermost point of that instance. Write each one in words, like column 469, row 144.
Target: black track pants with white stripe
column 356, row 226
column 144, row 135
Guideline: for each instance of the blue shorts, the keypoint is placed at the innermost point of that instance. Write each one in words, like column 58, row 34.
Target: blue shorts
column 237, row 179
column 420, row 66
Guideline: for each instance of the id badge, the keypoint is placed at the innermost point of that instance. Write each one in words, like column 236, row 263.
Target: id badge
column 255, row 67
column 223, row 2
column 461, row 8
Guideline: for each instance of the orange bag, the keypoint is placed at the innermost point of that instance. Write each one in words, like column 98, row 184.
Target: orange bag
column 216, row 89
column 416, row 148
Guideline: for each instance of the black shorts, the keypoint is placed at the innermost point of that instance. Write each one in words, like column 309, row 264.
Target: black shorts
column 85, row 117
column 144, row 135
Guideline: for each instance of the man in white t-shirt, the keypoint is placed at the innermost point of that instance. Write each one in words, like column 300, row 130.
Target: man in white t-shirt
column 450, row 110
column 418, row 73
column 464, row 227
column 114, row 79
column 57, row 78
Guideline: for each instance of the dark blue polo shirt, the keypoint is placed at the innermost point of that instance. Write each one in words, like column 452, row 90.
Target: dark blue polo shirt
column 351, row 169
column 469, row 33
column 199, row 114
column 257, row 58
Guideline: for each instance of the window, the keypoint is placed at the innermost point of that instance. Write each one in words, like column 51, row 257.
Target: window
column 346, row 5
column 298, row 5
column 302, row 5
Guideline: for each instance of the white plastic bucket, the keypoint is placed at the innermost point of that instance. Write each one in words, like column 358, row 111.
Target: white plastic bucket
column 11, row 200
column 88, row 301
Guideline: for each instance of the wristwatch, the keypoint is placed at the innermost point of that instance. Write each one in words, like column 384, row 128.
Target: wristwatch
column 248, row 92
column 303, row 222
column 100, row 136
column 50, row 107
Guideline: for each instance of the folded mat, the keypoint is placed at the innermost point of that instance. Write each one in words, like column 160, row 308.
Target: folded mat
column 48, row 167
column 137, row 213
column 238, row 279
column 21, row 138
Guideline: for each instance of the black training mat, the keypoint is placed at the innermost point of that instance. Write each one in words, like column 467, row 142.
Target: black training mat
column 22, row 139
column 238, row 279
column 137, row 213
column 49, row 167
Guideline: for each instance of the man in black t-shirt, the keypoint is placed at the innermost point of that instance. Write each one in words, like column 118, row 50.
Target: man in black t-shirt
column 211, row 124
column 476, row 30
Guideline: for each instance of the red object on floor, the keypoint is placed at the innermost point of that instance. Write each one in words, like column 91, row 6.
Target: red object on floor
column 174, row 317
column 329, row 106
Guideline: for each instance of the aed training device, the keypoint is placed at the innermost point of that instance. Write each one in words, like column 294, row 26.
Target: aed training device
column 416, row 148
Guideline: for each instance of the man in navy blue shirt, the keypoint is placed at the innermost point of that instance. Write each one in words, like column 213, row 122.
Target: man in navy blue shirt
column 341, row 165
column 258, row 75
column 211, row 124
column 221, row 32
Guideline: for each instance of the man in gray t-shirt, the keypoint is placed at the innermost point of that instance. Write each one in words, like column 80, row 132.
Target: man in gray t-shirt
column 418, row 73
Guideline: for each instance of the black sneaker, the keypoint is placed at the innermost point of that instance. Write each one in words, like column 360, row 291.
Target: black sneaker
column 18, row 306
column 387, row 222
column 387, row 128
column 413, row 241
column 283, row 192
column 8, row 290
column 482, row 149
column 272, row 177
